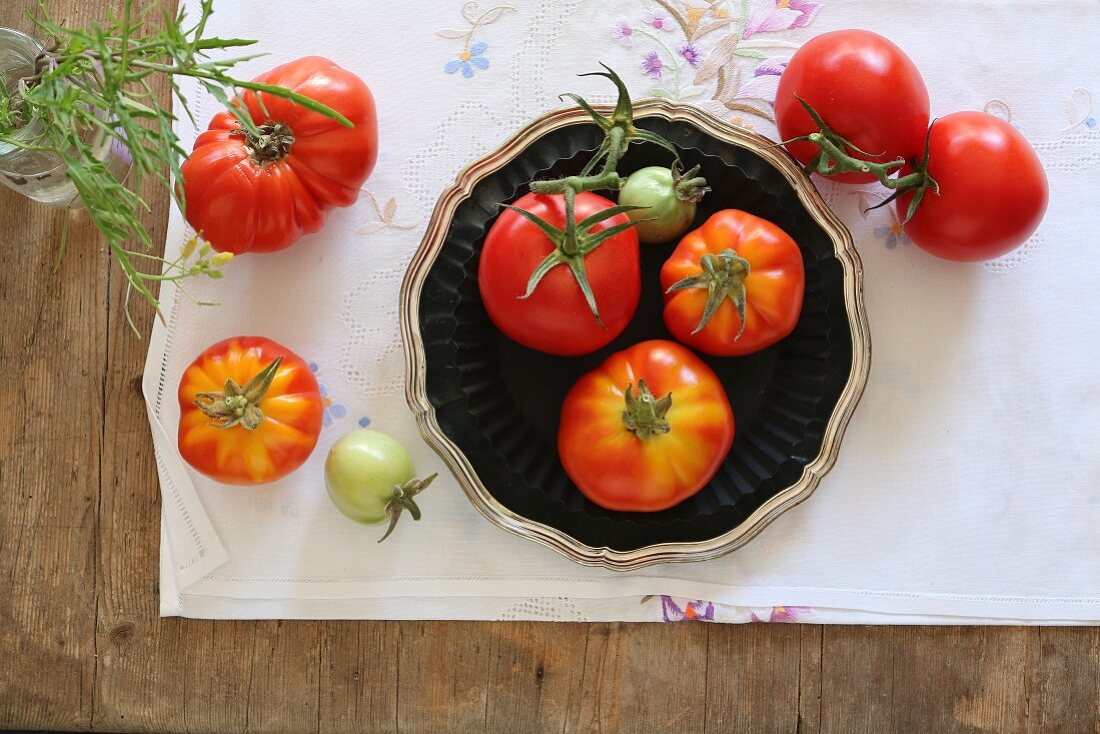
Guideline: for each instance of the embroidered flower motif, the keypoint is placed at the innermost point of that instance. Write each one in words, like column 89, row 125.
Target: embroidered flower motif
column 765, row 81
column 1079, row 110
column 783, row 615
column 385, row 214
column 658, row 19
column 331, row 410
column 692, row 610
column 468, row 59
column 892, row 233
column 622, row 32
column 692, row 53
column 778, row 15
column 652, row 65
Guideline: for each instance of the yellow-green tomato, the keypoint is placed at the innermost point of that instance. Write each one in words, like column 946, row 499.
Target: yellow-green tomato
column 670, row 198
column 361, row 471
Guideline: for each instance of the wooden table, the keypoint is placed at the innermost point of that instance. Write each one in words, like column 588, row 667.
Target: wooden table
column 82, row 647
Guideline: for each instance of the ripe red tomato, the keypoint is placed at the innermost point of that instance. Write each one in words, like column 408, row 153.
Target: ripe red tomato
column 249, row 195
column 645, row 430
column 992, row 189
column 734, row 258
column 250, row 411
column 865, row 89
column 557, row 318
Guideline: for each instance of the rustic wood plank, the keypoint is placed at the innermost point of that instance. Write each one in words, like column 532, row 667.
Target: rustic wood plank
column 51, row 353
column 359, row 676
column 1068, row 680
column 905, row 679
column 643, row 677
column 535, row 675
column 753, row 677
column 811, row 640
column 442, row 673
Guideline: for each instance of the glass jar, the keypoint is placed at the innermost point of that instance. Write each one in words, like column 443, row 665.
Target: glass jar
column 37, row 174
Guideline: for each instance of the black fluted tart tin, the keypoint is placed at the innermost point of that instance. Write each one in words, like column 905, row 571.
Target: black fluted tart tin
column 491, row 407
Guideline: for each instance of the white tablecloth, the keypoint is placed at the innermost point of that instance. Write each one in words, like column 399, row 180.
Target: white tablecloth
column 968, row 485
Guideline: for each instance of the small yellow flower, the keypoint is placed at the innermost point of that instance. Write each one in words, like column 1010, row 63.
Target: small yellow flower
column 188, row 248
column 222, row 259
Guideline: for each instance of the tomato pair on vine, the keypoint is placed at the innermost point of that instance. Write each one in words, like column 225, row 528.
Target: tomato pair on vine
column 852, row 105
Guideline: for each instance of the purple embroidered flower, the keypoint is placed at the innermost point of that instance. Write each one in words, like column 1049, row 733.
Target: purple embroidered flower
column 622, row 32
column 778, row 15
column 693, row 610
column 658, row 19
column 468, row 59
column 691, row 52
column 765, row 81
column 783, row 615
column 652, row 64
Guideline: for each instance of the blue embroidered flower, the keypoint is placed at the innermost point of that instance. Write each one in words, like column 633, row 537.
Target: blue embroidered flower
column 892, row 234
column 468, row 59
column 331, row 410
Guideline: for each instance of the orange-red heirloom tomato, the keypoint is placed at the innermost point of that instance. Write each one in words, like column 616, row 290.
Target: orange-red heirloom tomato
column 259, row 194
column 734, row 286
column 250, row 411
column 646, row 430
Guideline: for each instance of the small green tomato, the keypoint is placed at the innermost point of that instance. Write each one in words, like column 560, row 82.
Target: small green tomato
column 670, row 197
column 370, row 478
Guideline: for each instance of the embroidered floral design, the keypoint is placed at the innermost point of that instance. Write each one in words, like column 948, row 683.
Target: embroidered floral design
column 765, row 81
column 472, row 54
column 684, row 610
column 468, row 59
column 999, row 108
column 385, row 214
column 657, row 19
column 730, row 29
column 783, row 615
column 622, row 32
column 331, row 410
column 691, row 53
column 1079, row 110
column 652, row 65
column 778, row 15
column 890, row 232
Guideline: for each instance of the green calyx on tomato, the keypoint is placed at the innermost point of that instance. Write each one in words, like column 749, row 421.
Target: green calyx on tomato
column 645, row 415
column 238, row 406
column 669, row 196
column 833, row 158
column 570, row 248
column 575, row 240
column 270, row 143
column 723, row 277
column 402, row 499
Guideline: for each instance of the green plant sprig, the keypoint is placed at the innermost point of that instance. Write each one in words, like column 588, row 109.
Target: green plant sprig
column 101, row 79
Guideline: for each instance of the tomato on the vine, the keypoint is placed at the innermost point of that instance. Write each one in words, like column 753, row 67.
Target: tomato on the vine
column 248, row 193
column 668, row 197
column 250, row 411
column 734, row 286
column 554, row 315
column 645, row 430
column 992, row 191
column 865, row 89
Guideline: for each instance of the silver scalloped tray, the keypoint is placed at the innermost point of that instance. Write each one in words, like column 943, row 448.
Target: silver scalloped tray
column 470, row 387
